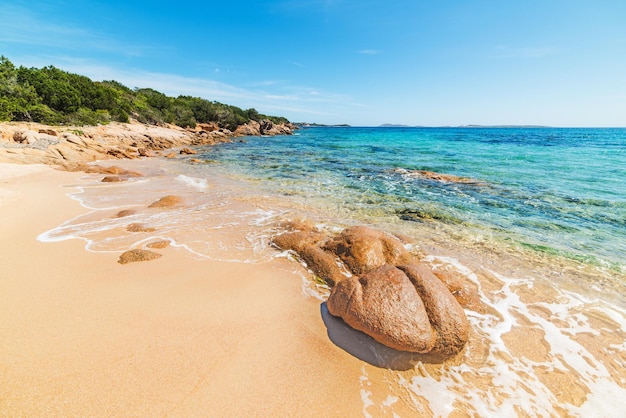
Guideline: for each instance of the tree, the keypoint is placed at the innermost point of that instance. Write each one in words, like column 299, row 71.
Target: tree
column 54, row 96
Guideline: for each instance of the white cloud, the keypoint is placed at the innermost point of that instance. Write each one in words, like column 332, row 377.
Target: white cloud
column 297, row 103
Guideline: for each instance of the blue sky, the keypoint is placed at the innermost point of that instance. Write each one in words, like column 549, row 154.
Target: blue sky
column 366, row 62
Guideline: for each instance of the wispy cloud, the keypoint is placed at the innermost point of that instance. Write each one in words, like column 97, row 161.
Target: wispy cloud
column 268, row 96
column 22, row 26
column 370, row 52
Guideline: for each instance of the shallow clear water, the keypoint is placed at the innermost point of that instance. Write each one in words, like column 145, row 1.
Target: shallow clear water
column 558, row 191
column 540, row 231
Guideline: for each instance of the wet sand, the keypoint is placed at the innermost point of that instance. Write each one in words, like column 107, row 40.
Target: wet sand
column 186, row 336
column 85, row 336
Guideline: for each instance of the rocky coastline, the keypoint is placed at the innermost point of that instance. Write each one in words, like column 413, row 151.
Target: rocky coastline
column 67, row 147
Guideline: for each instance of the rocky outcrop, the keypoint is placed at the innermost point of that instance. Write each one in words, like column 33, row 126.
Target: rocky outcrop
column 66, row 146
column 382, row 289
column 251, row 128
column 264, row 127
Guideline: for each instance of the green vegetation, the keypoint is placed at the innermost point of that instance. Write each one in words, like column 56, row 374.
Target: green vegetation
column 53, row 96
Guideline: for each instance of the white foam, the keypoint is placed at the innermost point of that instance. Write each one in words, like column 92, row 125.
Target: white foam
column 366, row 393
column 197, row 183
column 514, row 384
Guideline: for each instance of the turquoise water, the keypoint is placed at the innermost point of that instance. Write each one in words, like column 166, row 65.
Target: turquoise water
column 539, row 231
column 552, row 190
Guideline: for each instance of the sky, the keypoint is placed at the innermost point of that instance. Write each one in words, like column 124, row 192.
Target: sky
column 360, row 62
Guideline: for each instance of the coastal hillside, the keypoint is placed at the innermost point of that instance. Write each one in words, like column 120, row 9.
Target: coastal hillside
column 52, row 96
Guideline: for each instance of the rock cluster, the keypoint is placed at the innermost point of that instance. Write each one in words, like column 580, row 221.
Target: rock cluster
column 382, row 289
column 138, row 254
column 264, row 127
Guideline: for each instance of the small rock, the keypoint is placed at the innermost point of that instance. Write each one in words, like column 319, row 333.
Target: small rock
column 125, row 212
column 132, row 256
column 138, row 227
column 187, row 151
column 28, row 136
column 159, row 244
column 166, row 201
column 51, row 132
column 113, row 179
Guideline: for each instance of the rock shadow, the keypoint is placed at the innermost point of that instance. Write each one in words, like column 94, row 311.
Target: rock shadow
column 365, row 348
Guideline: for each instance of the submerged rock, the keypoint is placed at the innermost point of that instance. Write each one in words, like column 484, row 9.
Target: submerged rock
column 441, row 177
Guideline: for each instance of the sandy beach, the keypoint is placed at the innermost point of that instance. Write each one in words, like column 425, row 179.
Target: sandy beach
column 188, row 334
column 85, row 336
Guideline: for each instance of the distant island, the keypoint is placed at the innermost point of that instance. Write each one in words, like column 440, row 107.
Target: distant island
column 320, row 125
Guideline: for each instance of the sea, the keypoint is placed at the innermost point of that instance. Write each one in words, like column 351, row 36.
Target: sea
column 534, row 217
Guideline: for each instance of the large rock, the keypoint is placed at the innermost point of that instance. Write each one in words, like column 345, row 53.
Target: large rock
column 445, row 313
column 248, row 129
column 364, row 249
column 406, row 309
column 464, row 291
column 305, row 244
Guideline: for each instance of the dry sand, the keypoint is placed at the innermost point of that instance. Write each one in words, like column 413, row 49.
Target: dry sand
column 81, row 335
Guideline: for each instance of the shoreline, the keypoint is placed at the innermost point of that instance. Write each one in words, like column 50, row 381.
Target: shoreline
column 84, row 335
column 183, row 336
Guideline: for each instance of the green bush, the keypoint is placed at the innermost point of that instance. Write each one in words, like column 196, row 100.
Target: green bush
column 53, row 96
